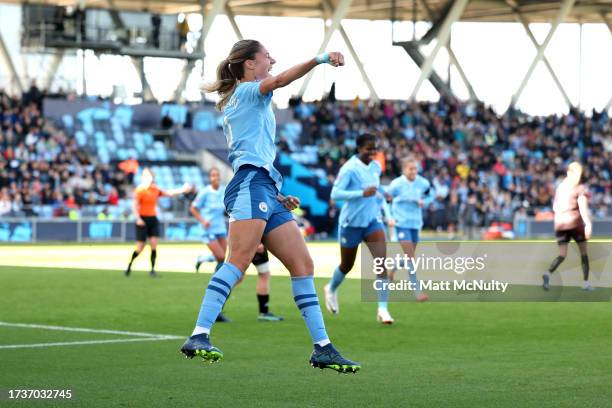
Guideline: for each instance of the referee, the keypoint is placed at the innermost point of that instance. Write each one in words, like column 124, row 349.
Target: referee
column 144, row 208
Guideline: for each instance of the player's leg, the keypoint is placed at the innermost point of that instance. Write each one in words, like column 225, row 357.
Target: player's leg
column 563, row 239
column 409, row 244
column 584, row 261
column 244, row 237
column 141, row 238
column 287, row 244
column 349, row 242
column 261, row 261
column 153, row 244
column 376, row 242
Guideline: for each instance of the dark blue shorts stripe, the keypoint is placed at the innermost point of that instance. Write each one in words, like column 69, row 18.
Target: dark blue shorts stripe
column 217, row 289
column 303, row 305
column 300, row 297
column 222, row 282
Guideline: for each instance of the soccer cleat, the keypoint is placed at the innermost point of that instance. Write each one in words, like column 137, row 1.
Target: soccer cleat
column 221, row 318
column 127, row 272
column 587, row 286
column 328, row 357
column 199, row 345
column 153, row 274
column 269, row 317
column 546, row 281
column 197, row 266
column 331, row 300
column 422, row 297
column 384, row 317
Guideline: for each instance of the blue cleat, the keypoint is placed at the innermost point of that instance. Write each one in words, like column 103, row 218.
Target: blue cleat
column 269, row 317
column 328, row 357
column 199, row 345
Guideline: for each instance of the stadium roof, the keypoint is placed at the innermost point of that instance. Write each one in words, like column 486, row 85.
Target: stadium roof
column 586, row 11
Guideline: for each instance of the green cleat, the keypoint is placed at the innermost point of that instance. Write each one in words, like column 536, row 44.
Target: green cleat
column 199, row 345
column 328, row 357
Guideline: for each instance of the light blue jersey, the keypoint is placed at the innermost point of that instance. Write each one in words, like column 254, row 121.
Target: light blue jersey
column 250, row 128
column 354, row 177
column 210, row 204
column 405, row 205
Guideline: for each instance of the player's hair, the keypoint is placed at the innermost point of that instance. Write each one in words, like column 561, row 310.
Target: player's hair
column 365, row 138
column 213, row 168
column 407, row 160
column 575, row 172
column 231, row 70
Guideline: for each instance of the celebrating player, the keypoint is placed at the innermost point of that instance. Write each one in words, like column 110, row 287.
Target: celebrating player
column 253, row 201
column 410, row 192
column 209, row 210
column 144, row 208
column 358, row 184
column 572, row 220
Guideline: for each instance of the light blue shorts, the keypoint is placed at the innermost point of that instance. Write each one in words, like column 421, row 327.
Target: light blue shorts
column 351, row 237
column 252, row 195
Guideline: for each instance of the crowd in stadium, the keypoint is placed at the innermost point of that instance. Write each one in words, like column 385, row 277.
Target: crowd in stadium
column 483, row 167
column 41, row 165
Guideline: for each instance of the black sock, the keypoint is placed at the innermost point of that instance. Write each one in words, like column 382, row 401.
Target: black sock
column 153, row 258
column 555, row 263
column 585, row 267
column 263, row 303
column 134, row 255
column 219, row 265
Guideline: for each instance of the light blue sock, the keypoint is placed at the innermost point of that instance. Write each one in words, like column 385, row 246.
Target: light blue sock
column 336, row 279
column 413, row 278
column 306, row 300
column 383, row 294
column 216, row 294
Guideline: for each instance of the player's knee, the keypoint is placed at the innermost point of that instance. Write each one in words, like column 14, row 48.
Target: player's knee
column 346, row 266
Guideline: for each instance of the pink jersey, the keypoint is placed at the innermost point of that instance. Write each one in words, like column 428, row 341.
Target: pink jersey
column 567, row 214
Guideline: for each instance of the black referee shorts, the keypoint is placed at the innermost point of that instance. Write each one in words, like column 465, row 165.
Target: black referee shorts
column 148, row 230
column 565, row 236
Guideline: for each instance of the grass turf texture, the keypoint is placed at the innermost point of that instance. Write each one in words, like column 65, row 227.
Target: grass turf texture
column 437, row 354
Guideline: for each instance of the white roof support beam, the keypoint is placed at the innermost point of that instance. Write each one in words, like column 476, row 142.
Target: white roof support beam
column 566, row 7
column 338, row 14
column 521, row 19
column 441, row 40
column 5, row 57
column 605, row 19
column 373, row 94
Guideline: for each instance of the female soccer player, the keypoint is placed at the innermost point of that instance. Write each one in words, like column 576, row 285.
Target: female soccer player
column 252, row 198
column 144, row 208
column 358, row 185
column 572, row 220
column 409, row 192
column 209, row 210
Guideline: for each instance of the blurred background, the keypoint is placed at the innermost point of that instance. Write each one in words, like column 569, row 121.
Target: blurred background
column 494, row 98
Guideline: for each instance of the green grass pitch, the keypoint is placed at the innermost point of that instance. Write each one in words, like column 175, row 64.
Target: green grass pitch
column 436, row 355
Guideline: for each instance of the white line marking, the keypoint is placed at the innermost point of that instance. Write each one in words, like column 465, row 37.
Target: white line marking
column 75, row 343
column 84, row 330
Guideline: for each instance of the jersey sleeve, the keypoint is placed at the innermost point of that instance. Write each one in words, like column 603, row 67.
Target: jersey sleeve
column 198, row 201
column 253, row 94
column 340, row 189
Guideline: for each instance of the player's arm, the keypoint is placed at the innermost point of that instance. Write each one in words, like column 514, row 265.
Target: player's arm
column 198, row 216
column 340, row 190
column 429, row 195
column 583, row 207
column 176, row 191
column 286, row 77
column 136, row 209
